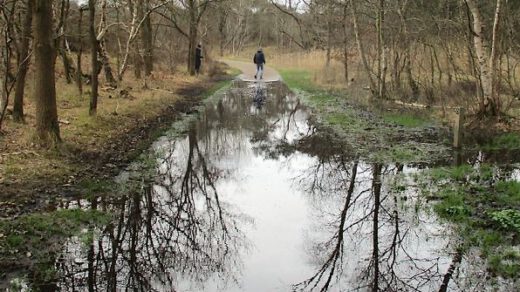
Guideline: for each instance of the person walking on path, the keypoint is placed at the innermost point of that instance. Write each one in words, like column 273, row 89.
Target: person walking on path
column 198, row 58
column 259, row 60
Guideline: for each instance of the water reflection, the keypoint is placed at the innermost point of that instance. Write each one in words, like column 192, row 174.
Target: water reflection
column 256, row 198
column 372, row 237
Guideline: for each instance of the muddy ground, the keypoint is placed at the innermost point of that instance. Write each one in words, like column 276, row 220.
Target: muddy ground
column 100, row 163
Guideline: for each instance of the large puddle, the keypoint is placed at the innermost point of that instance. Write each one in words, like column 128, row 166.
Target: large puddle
column 255, row 198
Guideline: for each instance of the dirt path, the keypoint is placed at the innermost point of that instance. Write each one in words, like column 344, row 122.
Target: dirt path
column 249, row 70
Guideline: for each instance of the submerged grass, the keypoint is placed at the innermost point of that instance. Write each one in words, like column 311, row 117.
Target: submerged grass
column 389, row 137
column 33, row 233
column 406, row 119
column 485, row 207
column 504, row 141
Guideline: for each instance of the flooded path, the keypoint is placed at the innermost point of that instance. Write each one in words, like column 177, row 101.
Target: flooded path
column 255, row 198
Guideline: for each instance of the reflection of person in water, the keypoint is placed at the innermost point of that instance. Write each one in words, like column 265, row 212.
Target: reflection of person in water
column 260, row 96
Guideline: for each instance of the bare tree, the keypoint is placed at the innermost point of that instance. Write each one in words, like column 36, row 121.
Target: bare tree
column 93, row 58
column 490, row 102
column 47, row 127
column 23, row 63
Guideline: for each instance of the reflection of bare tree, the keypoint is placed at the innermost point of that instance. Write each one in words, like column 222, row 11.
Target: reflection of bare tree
column 176, row 228
column 369, row 247
column 328, row 269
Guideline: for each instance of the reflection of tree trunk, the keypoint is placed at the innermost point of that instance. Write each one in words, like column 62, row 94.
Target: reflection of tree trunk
column 91, row 281
column 134, row 219
column 376, row 189
column 457, row 259
column 115, row 248
column 23, row 64
column 332, row 260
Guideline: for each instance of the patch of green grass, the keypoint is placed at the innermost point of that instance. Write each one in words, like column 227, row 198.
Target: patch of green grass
column 506, row 263
column 342, row 119
column 486, row 211
column 507, row 219
column 457, row 173
column 95, row 187
column 221, row 85
column 508, row 192
column 298, row 79
column 406, row 120
column 453, row 207
column 34, row 232
column 504, row 141
column 402, row 154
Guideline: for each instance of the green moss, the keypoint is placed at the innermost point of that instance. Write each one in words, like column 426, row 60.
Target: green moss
column 406, row 120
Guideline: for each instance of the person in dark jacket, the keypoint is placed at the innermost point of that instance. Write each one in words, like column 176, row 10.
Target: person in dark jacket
column 198, row 58
column 259, row 60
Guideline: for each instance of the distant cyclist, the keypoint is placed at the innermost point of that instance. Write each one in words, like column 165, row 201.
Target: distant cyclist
column 259, row 60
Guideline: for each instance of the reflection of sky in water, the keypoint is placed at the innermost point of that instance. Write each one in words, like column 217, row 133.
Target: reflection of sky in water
column 291, row 220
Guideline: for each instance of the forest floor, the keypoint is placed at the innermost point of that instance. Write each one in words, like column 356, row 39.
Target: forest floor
column 94, row 149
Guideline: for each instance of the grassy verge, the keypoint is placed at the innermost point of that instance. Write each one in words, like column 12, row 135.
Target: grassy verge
column 34, row 240
column 374, row 136
column 485, row 205
column 128, row 119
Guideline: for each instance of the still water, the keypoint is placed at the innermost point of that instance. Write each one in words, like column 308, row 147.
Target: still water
column 254, row 197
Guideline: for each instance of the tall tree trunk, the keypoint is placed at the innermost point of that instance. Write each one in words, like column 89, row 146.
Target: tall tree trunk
column 23, row 64
column 94, row 58
column 489, row 102
column 345, row 44
column 495, row 55
column 105, row 62
column 192, row 36
column 136, row 47
column 381, row 50
column 47, row 127
column 67, row 66
column 6, row 33
column 361, row 48
column 79, row 73
column 103, row 54
column 222, row 19
column 147, row 39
